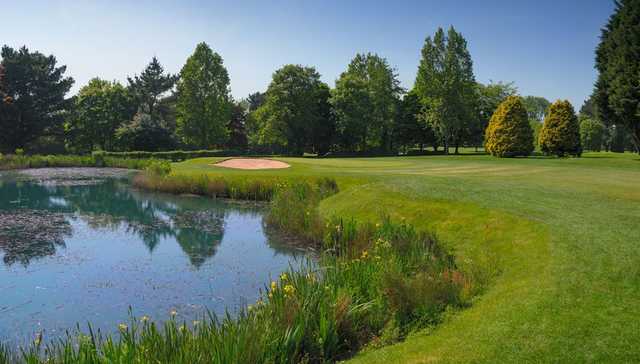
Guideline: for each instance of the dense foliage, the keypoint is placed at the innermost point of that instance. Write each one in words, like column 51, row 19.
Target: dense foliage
column 489, row 97
column 509, row 133
column 617, row 92
column 295, row 116
column 560, row 133
column 33, row 104
column 591, row 134
column 447, row 87
column 204, row 100
column 410, row 128
column 365, row 102
column 99, row 109
column 367, row 112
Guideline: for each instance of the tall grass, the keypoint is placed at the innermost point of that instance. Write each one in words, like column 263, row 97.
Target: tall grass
column 372, row 285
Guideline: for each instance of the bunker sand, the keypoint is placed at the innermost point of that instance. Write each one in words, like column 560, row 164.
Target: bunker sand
column 252, row 163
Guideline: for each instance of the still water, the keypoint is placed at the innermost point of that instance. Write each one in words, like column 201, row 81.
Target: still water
column 74, row 251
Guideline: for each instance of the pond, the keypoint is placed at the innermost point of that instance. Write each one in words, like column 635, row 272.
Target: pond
column 89, row 248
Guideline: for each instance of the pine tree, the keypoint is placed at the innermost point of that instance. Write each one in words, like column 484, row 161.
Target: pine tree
column 560, row 134
column 34, row 102
column 509, row 133
column 148, row 88
column 617, row 92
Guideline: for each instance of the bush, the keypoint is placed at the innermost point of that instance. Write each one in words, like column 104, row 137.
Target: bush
column 560, row 134
column 509, row 133
column 19, row 152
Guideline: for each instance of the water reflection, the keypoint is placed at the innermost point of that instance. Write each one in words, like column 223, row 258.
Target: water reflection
column 77, row 252
column 36, row 218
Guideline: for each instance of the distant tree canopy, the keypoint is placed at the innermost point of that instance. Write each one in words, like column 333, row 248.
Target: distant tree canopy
column 33, row 97
column 509, row 133
column 536, row 107
column 296, row 106
column 204, row 100
column 617, row 91
column 560, row 134
column 446, row 86
column 366, row 112
column 365, row 102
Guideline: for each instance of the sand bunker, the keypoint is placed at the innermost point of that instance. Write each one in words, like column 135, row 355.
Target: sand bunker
column 250, row 163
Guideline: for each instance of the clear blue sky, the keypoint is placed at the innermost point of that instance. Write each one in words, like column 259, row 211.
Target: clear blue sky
column 546, row 47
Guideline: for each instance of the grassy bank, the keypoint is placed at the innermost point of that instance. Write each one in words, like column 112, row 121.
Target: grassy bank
column 558, row 238
column 560, row 233
column 371, row 286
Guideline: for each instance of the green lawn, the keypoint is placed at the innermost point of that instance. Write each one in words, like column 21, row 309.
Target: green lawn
column 563, row 236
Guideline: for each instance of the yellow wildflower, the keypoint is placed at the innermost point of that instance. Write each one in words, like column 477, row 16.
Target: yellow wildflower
column 274, row 285
column 144, row 318
column 182, row 328
column 122, row 327
column 284, row 277
column 289, row 290
column 173, row 312
column 365, row 254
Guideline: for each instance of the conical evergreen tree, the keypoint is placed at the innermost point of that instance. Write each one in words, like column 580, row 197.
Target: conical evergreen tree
column 617, row 91
column 560, row 134
column 509, row 133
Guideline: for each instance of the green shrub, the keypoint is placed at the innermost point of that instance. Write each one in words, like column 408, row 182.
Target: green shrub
column 19, row 152
column 560, row 134
column 509, row 133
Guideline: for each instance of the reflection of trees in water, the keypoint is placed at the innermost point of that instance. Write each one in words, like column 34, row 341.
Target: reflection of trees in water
column 30, row 234
column 109, row 205
column 197, row 224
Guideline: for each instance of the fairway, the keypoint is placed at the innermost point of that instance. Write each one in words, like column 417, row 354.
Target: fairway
column 559, row 235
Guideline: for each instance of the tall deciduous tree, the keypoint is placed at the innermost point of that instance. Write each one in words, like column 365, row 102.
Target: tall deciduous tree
column 33, row 102
column 365, row 103
column 204, row 101
column 617, row 91
column 447, row 86
column 296, row 106
column 99, row 109
column 150, row 86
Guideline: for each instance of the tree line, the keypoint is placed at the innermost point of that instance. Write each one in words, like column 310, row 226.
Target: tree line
column 366, row 112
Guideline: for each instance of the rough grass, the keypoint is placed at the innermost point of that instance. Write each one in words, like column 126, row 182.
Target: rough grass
column 560, row 234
